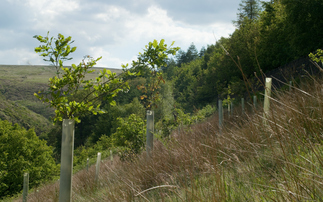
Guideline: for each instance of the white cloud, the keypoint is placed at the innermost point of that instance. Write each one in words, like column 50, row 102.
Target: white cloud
column 20, row 57
column 52, row 8
column 203, row 12
column 111, row 13
column 107, row 57
column 156, row 24
column 116, row 30
column 46, row 12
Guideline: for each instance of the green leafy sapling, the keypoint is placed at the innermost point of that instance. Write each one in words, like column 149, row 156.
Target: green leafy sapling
column 69, row 83
column 58, row 53
column 318, row 56
column 228, row 93
column 153, row 58
column 130, row 134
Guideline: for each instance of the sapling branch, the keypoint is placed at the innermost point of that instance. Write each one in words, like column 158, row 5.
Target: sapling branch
column 70, row 82
column 152, row 59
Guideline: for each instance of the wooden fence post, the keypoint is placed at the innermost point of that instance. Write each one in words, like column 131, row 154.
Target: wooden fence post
column 65, row 182
column 25, row 187
column 87, row 164
column 255, row 103
column 149, row 132
column 267, row 101
column 220, row 108
column 97, row 168
column 267, row 95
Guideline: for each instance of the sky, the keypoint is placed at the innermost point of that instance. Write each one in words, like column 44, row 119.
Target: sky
column 117, row 30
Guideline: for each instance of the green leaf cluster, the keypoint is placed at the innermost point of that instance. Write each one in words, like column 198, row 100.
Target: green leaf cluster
column 130, row 134
column 128, row 139
column 65, row 88
column 55, row 50
column 318, row 56
column 22, row 151
column 150, row 63
column 155, row 54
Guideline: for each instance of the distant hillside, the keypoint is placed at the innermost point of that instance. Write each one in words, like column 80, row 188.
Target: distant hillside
column 18, row 83
column 15, row 112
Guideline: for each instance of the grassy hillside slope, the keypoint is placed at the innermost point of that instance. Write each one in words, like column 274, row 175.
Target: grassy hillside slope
column 18, row 83
column 17, row 113
column 276, row 158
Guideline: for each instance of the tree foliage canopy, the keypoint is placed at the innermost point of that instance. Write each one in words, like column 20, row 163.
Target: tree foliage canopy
column 268, row 35
column 248, row 11
column 152, row 60
column 22, row 151
column 65, row 88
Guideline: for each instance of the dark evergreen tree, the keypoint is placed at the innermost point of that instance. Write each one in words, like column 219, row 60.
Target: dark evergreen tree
column 274, row 47
column 186, row 57
column 202, row 52
column 180, row 57
column 191, row 53
column 305, row 24
column 170, row 69
column 249, row 9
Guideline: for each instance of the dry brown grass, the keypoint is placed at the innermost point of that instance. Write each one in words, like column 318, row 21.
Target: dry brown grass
column 281, row 160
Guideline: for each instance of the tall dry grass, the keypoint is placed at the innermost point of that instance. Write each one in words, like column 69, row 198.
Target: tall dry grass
column 279, row 158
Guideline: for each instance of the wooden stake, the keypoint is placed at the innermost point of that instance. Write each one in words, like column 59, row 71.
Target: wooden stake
column 255, row 103
column 97, row 168
column 267, row 95
column 149, row 132
column 220, row 107
column 26, row 187
column 65, row 182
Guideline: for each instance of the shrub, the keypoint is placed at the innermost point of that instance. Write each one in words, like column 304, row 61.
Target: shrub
column 130, row 134
column 22, row 151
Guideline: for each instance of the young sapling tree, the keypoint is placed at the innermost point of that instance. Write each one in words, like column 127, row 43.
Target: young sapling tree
column 70, row 81
column 71, row 95
column 152, row 60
